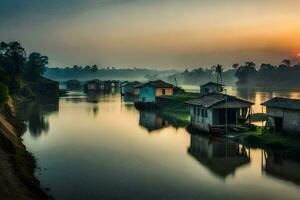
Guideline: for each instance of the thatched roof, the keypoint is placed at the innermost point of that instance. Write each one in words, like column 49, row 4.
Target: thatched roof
column 218, row 100
column 279, row 102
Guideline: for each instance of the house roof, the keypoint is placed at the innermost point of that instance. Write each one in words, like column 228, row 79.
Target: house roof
column 218, row 100
column 73, row 81
column 133, row 83
column 211, row 84
column 94, row 81
column 157, row 84
column 279, row 102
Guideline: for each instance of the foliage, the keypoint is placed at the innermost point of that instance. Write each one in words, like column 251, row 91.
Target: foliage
column 104, row 73
column 204, row 75
column 284, row 75
column 35, row 66
column 14, row 66
column 3, row 93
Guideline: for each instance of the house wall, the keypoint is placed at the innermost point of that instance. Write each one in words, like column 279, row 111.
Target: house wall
column 136, row 91
column 198, row 121
column 168, row 91
column 147, row 94
column 209, row 89
column 92, row 86
column 128, row 89
column 291, row 119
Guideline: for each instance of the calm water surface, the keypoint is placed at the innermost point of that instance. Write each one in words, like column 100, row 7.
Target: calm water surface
column 101, row 147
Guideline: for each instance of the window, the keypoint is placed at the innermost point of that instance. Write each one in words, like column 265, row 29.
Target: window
column 195, row 110
column 198, row 112
column 204, row 113
column 163, row 91
column 146, row 91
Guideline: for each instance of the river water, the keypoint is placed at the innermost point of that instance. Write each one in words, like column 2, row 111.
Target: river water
column 101, row 147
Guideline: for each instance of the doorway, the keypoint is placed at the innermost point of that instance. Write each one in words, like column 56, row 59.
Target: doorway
column 278, row 123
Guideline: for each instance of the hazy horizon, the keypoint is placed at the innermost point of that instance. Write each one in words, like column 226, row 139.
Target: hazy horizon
column 154, row 34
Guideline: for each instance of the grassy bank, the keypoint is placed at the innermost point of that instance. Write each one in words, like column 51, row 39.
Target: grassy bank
column 175, row 107
column 271, row 141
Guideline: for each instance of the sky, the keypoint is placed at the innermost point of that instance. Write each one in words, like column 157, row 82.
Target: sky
column 157, row 34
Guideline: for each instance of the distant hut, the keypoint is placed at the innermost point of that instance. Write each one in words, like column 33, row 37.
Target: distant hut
column 94, row 86
column 148, row 92
column 73, row 84
column 210, row 87
column 129, row 88
column 122, row 87
column 218, row 110
column 283, row 115
column 220, row 157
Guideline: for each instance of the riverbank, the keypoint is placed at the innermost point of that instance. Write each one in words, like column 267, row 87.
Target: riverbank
column 17, row 165
column 277, row 141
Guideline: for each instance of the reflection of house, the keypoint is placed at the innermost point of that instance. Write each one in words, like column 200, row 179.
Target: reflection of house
column 217, row 110
column 151, row 121
column 73, row 84
column 129, row 88
column 220, row 156
column 283, row 115
column 149, row 91
column 285, row 169
column 211, row 87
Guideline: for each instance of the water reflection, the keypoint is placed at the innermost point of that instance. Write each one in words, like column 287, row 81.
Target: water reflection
column 285, row 169
column 221, row 157
column 114, row 153
column 151, row 121
column 35, row 114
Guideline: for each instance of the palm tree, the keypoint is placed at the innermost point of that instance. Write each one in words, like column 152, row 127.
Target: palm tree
column 219, row 70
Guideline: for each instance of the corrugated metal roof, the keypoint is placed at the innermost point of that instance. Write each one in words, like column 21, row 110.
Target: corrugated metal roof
column 279, row 102
column 157, row 84
column 211, row 84
column 218, row 100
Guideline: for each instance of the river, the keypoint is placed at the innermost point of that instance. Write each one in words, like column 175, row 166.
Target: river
column 101, row 147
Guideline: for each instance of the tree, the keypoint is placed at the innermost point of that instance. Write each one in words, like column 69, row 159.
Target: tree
column 219, row 70
column 94, row 68
column 235, row 65
column 246, row 73
column 12, row 58
column 285, row 63
column 35, row 66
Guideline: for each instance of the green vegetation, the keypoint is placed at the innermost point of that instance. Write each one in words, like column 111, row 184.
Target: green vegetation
column 3, row 93
column 176, row 108
column 16, row 70
column 271, row 141
column 285, row 74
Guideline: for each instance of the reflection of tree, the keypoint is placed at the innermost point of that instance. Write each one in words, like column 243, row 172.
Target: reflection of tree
column 37, row 123
column 35, row 114
column 221, row 157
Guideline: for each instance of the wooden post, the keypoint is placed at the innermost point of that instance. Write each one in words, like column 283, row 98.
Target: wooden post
column 250, row 113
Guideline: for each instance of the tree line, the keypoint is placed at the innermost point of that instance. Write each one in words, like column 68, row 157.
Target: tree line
column 284, row 75
column 16, row 68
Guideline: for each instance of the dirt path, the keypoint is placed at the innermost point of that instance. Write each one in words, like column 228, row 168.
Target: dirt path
column 17, row 180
